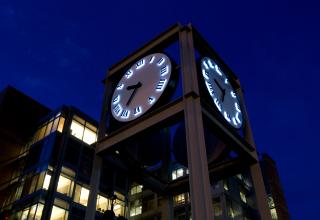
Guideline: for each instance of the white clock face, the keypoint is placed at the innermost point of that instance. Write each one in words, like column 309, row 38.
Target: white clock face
column 224, row 96
column 141, row 87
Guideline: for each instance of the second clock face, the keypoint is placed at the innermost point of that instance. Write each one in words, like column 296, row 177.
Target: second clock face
column 224, row 96
column 140, row 87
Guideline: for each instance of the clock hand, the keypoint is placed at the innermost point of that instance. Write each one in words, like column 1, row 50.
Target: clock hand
column 135, row 88
column 138, row 85
column 223, row 94
column 222, row 90
column 218, row 85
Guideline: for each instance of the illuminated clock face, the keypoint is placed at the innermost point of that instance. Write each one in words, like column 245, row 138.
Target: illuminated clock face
column 223, row 95
column 140, row 87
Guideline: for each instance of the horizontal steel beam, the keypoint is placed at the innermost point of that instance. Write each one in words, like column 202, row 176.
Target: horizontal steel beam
column 141, row 124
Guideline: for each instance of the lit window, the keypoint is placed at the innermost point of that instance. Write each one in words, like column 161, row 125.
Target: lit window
column 83, row 130
column 103, row 204
column 39, row 211
column 239, row 176
column 136, row 189
column 77, row 129
column 81, row 195
column 274, row 215
column 33, row 212
column 181, row 198
column 217, row 209
column 243, row 197
column 46, row 129
column 41, row 133
column 119, row 204
column 58, row 213
column 46, row 181
column 136, row 208
column 61, row 123
column 177, row 173
column 89, row 136
column 65, row 186
column 231, row 212
column 225, row 185
column 25, row 214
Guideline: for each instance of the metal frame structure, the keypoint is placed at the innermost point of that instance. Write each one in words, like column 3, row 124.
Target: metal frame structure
column 190, row 106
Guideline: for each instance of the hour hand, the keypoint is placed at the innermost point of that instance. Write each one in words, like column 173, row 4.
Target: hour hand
column 135, row 88
column 138, row 85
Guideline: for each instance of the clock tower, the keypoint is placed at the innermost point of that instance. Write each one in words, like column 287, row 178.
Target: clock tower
column 174, row 101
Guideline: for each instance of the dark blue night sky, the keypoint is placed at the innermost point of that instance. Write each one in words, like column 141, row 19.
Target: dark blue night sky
column 58, row 52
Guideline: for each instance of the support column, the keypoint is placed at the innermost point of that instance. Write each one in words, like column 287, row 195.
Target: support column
column 200, row 190
column 257, row 179
column 167, row 208
column 94, row 183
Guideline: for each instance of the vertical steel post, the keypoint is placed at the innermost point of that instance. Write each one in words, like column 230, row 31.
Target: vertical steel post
column 97, row 162
column 257, row 179
column 200, row 190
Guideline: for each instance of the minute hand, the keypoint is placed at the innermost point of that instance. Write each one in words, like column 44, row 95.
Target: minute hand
column 135, row 88
column 218, row 85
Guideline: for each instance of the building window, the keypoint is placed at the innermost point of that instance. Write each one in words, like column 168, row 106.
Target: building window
column 58, row 213
column 217, row 209
column 274, row 215
column 135, row 208
column 81, row 195
column 225, row 185
column 83, row 130
column 181, row 199
column 33, row 212
column 55, row 124
column 46, row 181
column 119, row 204
column 65, row 183
column 177, row 173
column 243, row 197
column 103, row 204
column 136, row 189
column 239, row 176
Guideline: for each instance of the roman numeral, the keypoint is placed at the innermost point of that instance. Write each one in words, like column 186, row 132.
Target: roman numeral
column 151, row 100
column 120, row 86
column 129, row 74
column 137, row 110
column 116, row 99
column 218, row 70
column 117, row 109
column 233, row 94
column 160, row 85
column 236, row 105
column 205, row 74
column 210, row 88
column 125, row 113
column 234, row 121
column 227, row 116
column 217, row 103
column 151, row 59
column 210, row 64
column 205, row 64
column 140, row 64
column 161, row 61
column 164, row 70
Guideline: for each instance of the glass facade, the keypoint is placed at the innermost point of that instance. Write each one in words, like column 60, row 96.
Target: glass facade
column 83, row 130
column 136, row 189
column 54, row 124
column 33, row 212
column 177, row 173
column 81, row 195
column 66, row 182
